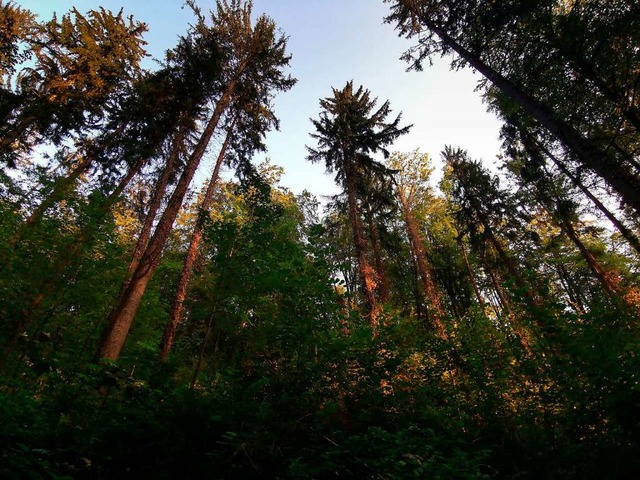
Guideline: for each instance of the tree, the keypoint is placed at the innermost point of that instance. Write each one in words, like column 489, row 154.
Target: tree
column 482, row 211
column 528, row 164
column 503, row 42
column 414, row 193
column 348, row 133
column 80, row 63
column 253, row 54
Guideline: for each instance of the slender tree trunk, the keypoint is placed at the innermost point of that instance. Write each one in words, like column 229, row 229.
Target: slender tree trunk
column 530, row 297
column 160, row 188
column 521, row 332
column 627, row 234
column 123, row 314
column 177, row 308
column 416, row 242
column 574, row 299
column 470, row 275
column 367, row 273
column 620, row 178
column 203, row 349
column 383, row 286
column 505, row 305
column 610, row 280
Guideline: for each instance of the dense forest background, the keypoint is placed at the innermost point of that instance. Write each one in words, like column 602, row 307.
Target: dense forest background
column 484, row 327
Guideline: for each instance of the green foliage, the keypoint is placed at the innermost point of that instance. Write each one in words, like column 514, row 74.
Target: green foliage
column 275, row 373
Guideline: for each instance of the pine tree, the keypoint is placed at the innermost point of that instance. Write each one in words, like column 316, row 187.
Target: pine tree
column 350, row 130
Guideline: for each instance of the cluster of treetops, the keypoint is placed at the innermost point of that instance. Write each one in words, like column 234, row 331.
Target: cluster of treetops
column 498, row 306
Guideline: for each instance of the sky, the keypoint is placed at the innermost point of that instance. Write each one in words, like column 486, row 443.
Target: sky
column 332, row 42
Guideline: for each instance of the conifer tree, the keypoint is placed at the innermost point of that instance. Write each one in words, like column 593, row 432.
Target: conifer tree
column 349, row 131
column 252, row 54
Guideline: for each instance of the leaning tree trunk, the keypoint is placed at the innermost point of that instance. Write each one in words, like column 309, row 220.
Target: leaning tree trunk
column 416, row 242
column 628, row 235
column 470, row 275
column 177, row 308
column 160, row 188
column 574, row 299
column 122, row 316
column 610, row 280
column 621, row 179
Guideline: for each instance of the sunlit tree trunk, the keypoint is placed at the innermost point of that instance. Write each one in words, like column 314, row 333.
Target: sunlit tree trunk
column 416, row 242
column 365, row 270
column 123, row 314
column 383, row 286
column 177, row 308
column 159, row 191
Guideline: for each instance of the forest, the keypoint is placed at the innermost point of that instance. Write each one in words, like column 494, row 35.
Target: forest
column 162, row 321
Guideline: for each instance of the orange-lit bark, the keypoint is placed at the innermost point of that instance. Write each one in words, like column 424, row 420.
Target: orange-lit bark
column 177, row 308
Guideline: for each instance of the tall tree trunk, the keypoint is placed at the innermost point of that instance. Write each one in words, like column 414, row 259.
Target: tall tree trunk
column 626, row 233
column 383, row 286
column 203, row 349
column 123, row 314
column 177, row 308
column 470, row 275
column 610, row 280
column 567, row 285
column 416, row 242
column 620, row 178
column 521, row 332
column 503, row 301
column 530, row 297
column 366, row 272
column 159, row 190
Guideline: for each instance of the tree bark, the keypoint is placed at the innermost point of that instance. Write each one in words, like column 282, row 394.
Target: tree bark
column 626, row 233
column 156, row 200
column 472, row 278
column 367, row 273
column 565, row 281
column 121, row 319
column 383, row 286
column 416, row 242
column 521, row 283
column 177, row 308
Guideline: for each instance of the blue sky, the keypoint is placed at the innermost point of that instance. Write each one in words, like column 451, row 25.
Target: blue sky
column 333, row 41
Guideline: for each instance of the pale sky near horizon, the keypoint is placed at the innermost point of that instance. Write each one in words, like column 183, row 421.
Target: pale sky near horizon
column 331, row 42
